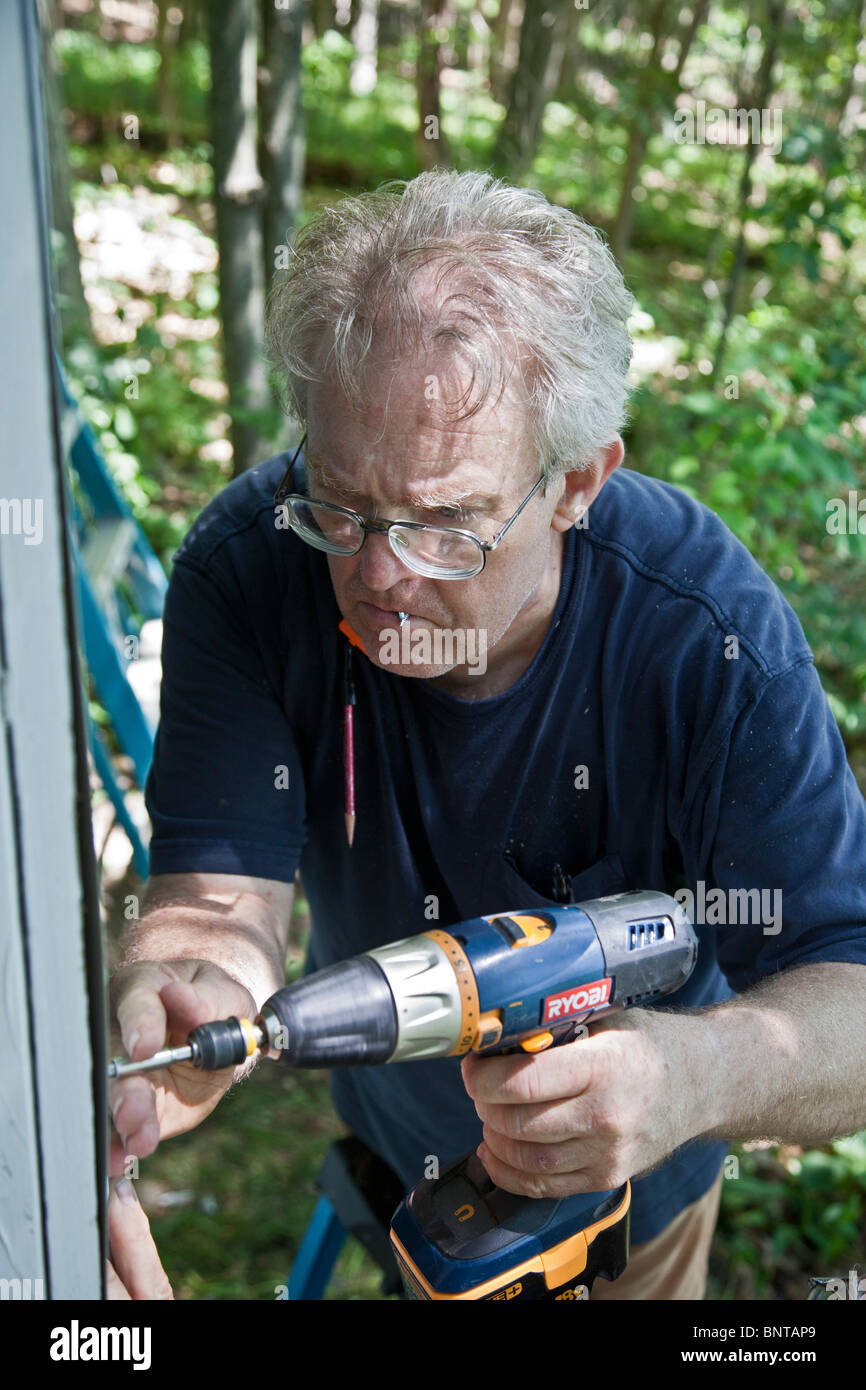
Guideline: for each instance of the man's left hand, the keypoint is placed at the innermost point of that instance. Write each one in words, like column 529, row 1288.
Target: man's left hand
column 135, row 1270
column 585, row 1116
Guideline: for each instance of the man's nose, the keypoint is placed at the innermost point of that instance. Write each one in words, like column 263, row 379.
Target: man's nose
column 380, row 568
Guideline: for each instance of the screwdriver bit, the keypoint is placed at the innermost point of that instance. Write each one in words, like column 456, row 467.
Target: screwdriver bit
column 122, row 1066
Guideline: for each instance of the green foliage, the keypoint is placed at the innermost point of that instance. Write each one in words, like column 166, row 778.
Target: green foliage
column 769, row 461
column 96, row 70
column 338, row 122
column 378, row 132
column 153, row 445
column 789, row 1215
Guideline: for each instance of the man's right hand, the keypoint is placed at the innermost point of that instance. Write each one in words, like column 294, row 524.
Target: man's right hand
column 153, row 1005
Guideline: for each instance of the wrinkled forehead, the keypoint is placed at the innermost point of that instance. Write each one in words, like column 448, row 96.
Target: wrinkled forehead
column 419, row 433
column 423, row 414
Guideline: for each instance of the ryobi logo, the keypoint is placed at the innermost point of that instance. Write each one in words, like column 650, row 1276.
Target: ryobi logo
column 576, row 1001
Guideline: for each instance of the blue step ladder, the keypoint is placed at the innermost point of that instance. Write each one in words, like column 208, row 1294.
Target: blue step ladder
column 358, row 1195
column 121, row 586
column 317, row 1254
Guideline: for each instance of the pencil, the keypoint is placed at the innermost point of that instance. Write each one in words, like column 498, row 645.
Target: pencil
column 348, row 744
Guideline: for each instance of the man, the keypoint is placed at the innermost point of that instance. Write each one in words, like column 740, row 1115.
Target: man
column 624, row 701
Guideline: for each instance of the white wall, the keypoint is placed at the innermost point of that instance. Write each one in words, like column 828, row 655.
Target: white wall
column 49, row 1199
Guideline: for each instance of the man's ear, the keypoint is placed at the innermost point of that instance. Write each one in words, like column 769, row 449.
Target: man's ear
column 583, row 485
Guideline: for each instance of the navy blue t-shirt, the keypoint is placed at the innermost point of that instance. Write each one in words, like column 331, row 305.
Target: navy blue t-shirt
column 673, row 671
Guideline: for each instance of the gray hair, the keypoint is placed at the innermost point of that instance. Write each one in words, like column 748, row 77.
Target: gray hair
column 509, row 267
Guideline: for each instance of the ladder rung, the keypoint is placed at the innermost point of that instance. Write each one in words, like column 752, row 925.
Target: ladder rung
column 106, row 551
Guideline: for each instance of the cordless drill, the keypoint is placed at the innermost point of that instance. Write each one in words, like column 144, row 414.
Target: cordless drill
column 507, row 982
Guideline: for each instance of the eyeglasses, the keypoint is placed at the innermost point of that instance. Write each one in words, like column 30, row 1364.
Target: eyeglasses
column 438, row 552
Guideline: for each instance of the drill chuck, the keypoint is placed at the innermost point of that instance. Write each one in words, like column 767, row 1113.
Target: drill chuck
column 225, row 1043
column 343, row 1016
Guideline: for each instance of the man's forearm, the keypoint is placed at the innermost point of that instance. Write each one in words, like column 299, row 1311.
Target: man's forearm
column 178, row 930
column 786, row 1060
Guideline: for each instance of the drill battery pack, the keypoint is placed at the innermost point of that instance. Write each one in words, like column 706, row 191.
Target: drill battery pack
column 461, row 1237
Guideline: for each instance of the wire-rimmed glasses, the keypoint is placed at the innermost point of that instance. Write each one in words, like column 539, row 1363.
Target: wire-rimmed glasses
column 438, row 552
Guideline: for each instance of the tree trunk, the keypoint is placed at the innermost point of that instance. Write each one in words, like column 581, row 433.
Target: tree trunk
column 321, row 16
column 238, row 192
column 430, row 142
column 504, row 48
column 166, row 42
column 855, row 86
column 763, row 88
column 574, row 55
column 193, row 23
column 655, row 91
column 479, row 38
column 282, row 151
column 542, row 46
column 365, row 37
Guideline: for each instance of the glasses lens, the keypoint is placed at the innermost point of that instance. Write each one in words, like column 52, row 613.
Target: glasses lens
column 433, row 551
column 325, row 528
